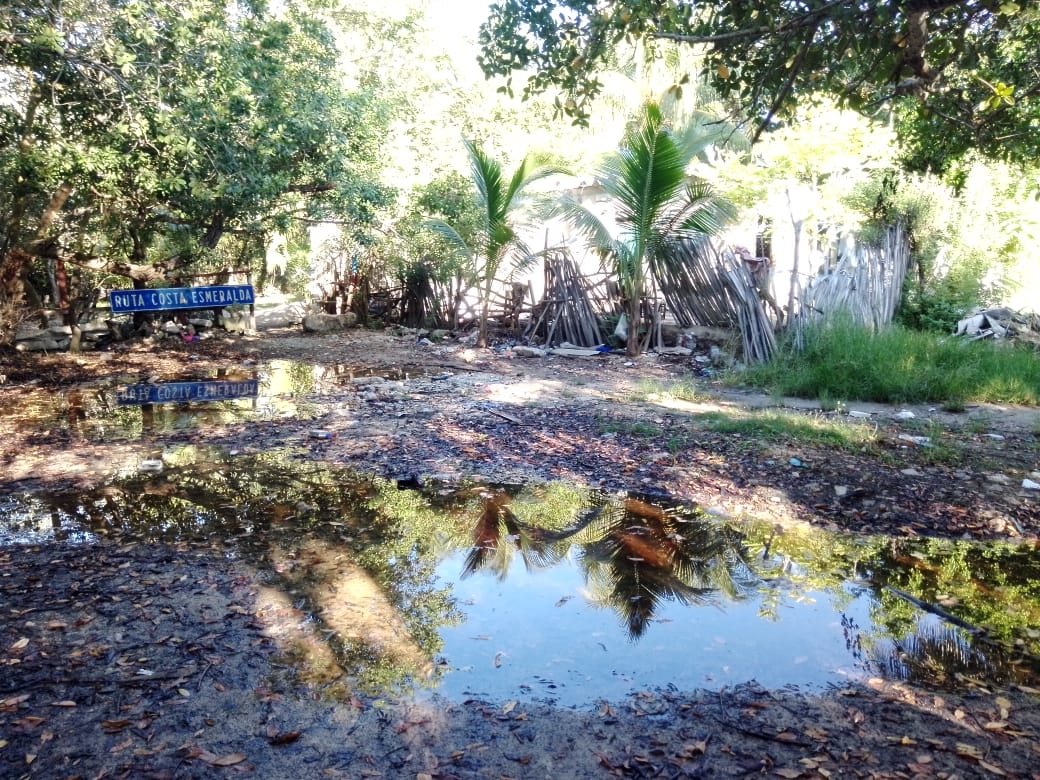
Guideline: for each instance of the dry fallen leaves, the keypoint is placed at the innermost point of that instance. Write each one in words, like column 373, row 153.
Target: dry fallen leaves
column 213, row 759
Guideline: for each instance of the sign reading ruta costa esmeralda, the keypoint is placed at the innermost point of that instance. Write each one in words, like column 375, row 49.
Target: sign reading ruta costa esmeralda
column 170, row 392
column 180, row 298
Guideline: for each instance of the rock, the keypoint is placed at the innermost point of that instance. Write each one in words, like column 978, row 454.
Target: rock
column 719, row 357
column 675, row 351
column 26, row 331
column 42, row 344
column 235, row 321
column 521, row 351
column 319, row 322
column 671, row 334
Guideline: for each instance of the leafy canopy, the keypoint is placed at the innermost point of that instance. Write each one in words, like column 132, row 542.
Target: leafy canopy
column 959, row 74
column 172, row 124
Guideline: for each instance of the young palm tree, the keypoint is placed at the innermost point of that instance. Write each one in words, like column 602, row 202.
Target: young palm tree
column 500, row 203
column 657, row 204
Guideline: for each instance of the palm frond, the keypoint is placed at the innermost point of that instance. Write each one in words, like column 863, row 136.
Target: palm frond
column 451, row 236
column 487, row 177
column 587, row 224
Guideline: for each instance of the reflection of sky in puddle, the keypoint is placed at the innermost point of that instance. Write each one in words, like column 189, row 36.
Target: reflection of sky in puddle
column 575, row 652
column 100, row 412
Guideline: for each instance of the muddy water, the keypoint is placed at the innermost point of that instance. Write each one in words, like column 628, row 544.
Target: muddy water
column 554, row 593
column 126, row 408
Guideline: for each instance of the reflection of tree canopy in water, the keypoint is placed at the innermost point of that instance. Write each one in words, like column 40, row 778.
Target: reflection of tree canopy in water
column 634, row 554
column 313, row 530
column 938, row 655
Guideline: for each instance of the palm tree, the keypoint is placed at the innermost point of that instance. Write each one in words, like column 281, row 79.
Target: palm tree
column 657, row 205
column 500, row 203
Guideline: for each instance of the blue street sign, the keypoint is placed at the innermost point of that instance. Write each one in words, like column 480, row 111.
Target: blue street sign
column 182, row 392
column 180, row 298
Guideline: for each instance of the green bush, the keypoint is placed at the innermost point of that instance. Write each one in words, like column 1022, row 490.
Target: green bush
column 843, row 361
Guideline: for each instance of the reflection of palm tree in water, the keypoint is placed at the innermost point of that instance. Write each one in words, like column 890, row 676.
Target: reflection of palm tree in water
column 634, row 554
column 643, row 554
column 498, row 533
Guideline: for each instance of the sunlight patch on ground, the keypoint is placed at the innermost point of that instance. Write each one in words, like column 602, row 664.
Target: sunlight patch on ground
column 690, row 407
column 530, row 391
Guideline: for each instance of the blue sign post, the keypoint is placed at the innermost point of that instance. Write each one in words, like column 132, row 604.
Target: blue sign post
column 162, row 299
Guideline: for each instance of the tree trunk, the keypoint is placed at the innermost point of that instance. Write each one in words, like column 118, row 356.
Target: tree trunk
column 485, row 305
column 634, row 318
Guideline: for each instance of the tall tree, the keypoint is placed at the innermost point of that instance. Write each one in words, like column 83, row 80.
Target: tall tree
column 501, row 203
column 139, row 134
column 962, row 74
column 656, row 204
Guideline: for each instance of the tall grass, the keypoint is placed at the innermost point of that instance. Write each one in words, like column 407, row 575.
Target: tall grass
column 843, row 361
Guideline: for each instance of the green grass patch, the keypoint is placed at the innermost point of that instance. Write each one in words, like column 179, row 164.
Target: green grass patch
column 792, row 428
column 650, row 390
column 844, row 362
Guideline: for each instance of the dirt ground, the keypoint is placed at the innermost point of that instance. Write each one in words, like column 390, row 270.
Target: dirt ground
column 143, row 662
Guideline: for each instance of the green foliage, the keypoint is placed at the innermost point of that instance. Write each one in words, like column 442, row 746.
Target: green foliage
column 502, row 204
column 897, row 365
column 813, row 430
column 968, row 242
column 960, row 74
column 656, row 205
column 173, row 124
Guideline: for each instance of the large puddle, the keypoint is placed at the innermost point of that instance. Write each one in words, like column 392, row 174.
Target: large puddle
column 126, row 408
column 566, row 595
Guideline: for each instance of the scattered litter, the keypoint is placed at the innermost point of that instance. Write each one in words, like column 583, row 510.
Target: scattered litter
column 798, row 464
column 1029, row 484
column 921, row 441
column 855, row 413
column 995, row 436
column 151, row 466
column 841, row 490
column 905, row 414
column 319, row 434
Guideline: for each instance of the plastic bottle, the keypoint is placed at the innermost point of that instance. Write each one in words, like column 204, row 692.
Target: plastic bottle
column 318, row 434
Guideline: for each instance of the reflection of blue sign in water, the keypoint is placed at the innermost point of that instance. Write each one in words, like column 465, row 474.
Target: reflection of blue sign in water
column 180, row 298
column 172, row 392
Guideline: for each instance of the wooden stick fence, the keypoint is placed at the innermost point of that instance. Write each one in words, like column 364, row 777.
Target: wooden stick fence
column 866, row 283
column 566, row 312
